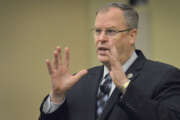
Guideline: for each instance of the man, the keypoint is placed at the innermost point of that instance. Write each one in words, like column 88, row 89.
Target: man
column 126, row 87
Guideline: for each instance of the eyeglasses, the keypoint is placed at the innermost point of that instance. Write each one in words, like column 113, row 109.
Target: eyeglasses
column 109, row 32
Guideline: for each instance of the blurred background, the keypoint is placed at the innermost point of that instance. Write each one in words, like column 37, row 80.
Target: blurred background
column 31, row 29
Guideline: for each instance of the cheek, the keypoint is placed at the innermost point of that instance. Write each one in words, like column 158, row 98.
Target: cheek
column 120, row 45
column 115, row 42
column 111, row 42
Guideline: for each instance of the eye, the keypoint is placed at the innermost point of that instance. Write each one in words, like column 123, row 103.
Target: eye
column 98, row 31
column 111, row 32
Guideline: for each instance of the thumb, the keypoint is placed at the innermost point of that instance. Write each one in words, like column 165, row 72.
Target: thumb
column 80, row 74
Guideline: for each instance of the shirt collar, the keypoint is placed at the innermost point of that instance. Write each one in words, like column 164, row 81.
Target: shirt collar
column 125, row 66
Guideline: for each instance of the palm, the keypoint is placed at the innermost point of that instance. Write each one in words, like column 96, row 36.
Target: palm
column 61, row 78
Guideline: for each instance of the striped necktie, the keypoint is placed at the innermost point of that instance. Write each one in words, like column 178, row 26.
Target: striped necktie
column 103, row 95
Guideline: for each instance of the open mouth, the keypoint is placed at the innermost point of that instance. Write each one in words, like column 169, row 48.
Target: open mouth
column 102, row 49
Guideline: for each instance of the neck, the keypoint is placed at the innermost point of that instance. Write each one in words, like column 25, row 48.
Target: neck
column 124, row 58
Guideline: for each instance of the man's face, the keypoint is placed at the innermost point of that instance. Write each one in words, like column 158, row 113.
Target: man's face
column 105, row 38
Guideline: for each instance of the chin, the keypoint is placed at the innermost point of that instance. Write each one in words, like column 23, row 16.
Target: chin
column 103, row 59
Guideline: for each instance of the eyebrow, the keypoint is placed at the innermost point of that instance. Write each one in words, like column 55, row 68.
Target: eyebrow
column 112, row 27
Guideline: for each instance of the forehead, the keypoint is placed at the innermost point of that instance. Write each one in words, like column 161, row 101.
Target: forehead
column 110, row 17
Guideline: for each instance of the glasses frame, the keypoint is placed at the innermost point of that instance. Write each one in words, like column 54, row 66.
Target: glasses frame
column 111, row 34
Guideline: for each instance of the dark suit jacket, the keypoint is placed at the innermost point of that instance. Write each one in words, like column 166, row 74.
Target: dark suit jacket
column 153, row 94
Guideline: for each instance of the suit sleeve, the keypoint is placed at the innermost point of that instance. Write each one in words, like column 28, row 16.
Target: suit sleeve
column 59, row 114
column 164, row 103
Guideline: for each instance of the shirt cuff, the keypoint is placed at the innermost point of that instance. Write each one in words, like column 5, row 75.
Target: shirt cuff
column 50, row 107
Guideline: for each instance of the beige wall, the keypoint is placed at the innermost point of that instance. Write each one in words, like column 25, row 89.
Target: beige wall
column 166, row 31
column 30, row 30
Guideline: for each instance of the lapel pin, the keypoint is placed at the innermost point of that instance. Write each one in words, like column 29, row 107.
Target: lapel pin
column 130, row 75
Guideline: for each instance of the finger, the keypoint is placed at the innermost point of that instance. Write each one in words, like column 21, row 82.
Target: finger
column 112, row 76
column 58, row 49
column 111, row 58
column 114, row 52
column 55, row 62
column 66, row 61
column 80, row 74
column 114, row 79
column 49, row 66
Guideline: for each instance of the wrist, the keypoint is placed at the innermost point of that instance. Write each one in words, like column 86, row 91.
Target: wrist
column 124, row 86
column 57, row 99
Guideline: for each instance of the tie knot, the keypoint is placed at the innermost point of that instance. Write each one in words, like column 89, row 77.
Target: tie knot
column 108, row 78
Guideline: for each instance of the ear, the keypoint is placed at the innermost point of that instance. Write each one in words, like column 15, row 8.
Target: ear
column 132, row 36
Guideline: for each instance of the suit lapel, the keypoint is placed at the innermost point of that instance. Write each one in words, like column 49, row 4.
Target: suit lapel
column 136, row 67
column 132, row 73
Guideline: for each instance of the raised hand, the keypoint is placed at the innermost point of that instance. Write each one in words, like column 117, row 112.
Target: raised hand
column 116, row 70
column 61, row 78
